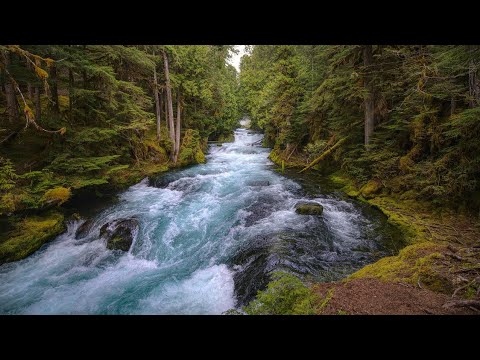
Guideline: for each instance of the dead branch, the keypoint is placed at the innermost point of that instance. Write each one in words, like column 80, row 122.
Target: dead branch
column 463, row 303
column 324, row 154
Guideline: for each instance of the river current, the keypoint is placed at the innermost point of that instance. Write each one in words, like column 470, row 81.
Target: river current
column 208, row 238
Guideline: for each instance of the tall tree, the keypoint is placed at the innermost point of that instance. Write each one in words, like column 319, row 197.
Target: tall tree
column 168, row 88
column 177, row 127
column 55, row 106
column 158, row 104
column 369, row 95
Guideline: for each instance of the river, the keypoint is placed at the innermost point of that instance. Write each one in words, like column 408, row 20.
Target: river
column 209, row 235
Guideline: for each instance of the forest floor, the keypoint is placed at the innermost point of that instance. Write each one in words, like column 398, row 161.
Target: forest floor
column 376, row 297
column 437, row 273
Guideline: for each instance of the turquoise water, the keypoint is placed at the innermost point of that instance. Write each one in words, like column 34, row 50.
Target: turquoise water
column 209, row 236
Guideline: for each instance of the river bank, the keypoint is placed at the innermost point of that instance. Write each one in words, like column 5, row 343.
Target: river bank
column 25, row 231
column 204, row 239
column 436, row 272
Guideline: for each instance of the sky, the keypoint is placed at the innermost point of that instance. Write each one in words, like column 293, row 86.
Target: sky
column 235, row 60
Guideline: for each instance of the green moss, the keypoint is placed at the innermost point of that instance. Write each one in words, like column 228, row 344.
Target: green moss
column 56, row 196
column 345, row 184
column 471, row 292
column 285, row 295
column 29, row 235
column 400, row 214
column 309, row 209
column 416, row 264
column 371, row 188
column 280, row 158
column 227, row 138
column 200, row 157
column 191, row 149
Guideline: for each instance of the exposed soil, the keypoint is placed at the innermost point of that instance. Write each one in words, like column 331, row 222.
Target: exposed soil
column 375, row 297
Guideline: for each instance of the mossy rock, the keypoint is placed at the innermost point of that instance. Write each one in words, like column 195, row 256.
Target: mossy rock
column 370, row 189
column 56, row 196
column 120, row 242
column 30, row 234
column 308, row 208
column 119, row 233
column 416, row 264
column 227, row 138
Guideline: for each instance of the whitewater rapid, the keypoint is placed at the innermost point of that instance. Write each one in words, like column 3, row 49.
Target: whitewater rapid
column 209, row 235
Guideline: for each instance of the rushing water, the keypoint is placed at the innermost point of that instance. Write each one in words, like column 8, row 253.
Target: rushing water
column 209, row 236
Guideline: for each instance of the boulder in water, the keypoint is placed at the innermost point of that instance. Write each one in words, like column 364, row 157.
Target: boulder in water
column 83, row 229
column 258, row 183
column 119, row 233
column 308, row 208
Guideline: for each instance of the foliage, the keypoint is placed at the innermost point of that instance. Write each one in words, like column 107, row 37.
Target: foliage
column 426, row 111
column 7, row 175
column 285, row 295
column 103, row 96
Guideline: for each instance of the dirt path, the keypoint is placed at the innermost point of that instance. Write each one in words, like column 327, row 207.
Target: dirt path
column 376, row 297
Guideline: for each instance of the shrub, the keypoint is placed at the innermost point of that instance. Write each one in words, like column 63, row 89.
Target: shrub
column 285, row 295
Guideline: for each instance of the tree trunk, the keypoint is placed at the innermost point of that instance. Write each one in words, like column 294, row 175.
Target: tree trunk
column 12, row 105
column 166, row 111
column 54, row 89
column 30, row 91
column 453, row 106
column 71, row 83
column 170, row 105
column 473, row 85
column 158, row 104
column 177, row 127
column 369, row 98
column 38, row 107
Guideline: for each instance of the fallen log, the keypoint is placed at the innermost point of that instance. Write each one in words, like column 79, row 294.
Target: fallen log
column 324, row 154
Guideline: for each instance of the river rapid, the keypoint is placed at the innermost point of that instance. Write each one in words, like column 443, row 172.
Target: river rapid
column 208, row 238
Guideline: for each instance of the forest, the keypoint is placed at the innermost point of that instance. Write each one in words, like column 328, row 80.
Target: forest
column 403, row 119
column 387, row 136
column 76, row 117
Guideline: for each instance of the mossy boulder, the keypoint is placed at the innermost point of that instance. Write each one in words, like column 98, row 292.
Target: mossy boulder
column 119, row 233
column 226, row 138
column 56, row 196
column 30, row 234
column 370, row 189
column 308, row 208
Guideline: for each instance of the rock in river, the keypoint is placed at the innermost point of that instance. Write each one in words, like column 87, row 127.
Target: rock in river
column 258, row 183
column 119, row 233
column 308, row 208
